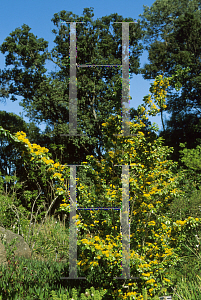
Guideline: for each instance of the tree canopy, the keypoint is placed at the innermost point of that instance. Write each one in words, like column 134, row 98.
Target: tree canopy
column 173, row 38
column 46, row 96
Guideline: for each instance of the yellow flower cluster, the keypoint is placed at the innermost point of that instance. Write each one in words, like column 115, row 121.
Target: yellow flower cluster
column 37, row 151
column 21, row 136
column 159, row 93
column 179, row 222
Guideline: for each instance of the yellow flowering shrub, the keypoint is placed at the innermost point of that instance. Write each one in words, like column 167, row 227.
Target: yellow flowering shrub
column 154, row 239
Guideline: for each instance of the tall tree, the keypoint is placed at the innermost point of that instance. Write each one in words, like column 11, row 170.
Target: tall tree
column 174, row 39
column 46, row 96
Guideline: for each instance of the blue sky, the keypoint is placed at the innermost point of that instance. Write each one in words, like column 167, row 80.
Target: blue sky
column 38, row 14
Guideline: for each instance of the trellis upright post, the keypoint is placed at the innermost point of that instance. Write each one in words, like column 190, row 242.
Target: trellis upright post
column 125, row 171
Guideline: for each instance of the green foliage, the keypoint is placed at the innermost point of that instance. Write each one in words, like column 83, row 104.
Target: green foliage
column 173, row 40
column 29, row 279
column 160, row 232
column 187, row 290
column 11, row 211
column 46, row 97
column 89, row 294
column 189, row 171
column 188, row 205
column 191, row 157
column 144, row 294
column 190, row 179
